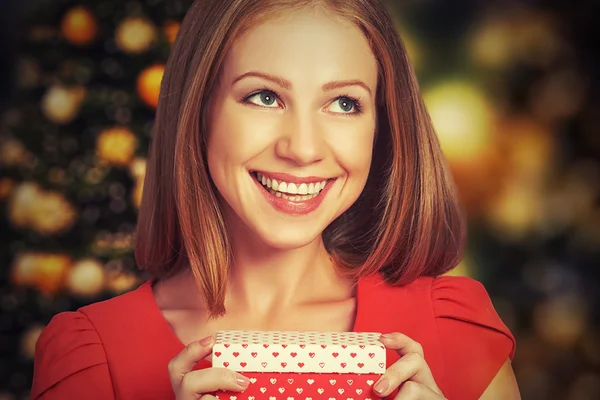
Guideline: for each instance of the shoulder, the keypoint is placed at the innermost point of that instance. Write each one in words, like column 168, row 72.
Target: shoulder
column 462, row 305
column 457, row 298
column 67, row 346
column 475, row 341
column 71, row 349
column 465, row 340
column 459, row 306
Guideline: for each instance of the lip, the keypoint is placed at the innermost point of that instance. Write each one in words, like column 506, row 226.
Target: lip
column 280, row 176
column 293, row 207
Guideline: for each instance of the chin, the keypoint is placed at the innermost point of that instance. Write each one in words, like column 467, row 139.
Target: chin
column 287, row 238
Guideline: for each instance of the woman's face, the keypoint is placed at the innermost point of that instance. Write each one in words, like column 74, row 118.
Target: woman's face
column 291, row 126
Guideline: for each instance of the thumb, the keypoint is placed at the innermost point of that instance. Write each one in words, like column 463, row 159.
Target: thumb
column 187, row 359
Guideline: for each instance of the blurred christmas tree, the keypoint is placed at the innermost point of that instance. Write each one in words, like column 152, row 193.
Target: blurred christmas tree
column 73, row 143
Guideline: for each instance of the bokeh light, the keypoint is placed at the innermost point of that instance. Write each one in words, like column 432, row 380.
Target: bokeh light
column 79, row 26
column 135, row 35
column 462, row 118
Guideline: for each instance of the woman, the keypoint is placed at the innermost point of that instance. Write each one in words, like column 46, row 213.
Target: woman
column 294, row 183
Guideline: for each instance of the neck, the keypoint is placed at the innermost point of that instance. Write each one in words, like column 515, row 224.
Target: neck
column 282, row 277
column 266, row 280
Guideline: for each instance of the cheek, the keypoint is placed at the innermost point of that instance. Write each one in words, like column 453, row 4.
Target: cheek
column 224, row 139
column 354, row 151
column 360, row 167
column 235, row 136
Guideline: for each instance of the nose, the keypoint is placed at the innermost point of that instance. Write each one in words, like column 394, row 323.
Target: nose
column 301, row 141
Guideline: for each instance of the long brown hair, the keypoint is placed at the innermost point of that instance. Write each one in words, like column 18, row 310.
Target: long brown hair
column 407, row 222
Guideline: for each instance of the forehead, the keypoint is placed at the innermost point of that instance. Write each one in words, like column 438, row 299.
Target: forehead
column 304, row 45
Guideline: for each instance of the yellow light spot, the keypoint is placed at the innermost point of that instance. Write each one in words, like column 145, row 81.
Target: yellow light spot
column 462, row 119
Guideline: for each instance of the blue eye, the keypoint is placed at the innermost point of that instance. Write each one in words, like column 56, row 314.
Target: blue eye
column 347, row 105
column 265, row 97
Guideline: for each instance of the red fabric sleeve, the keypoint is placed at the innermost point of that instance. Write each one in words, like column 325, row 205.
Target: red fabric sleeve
column 475, row 342
column 70, row 361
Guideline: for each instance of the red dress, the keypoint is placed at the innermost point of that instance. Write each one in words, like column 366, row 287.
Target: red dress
column 120, row 348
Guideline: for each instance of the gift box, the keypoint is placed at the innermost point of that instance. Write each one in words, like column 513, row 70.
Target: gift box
column 301, row 365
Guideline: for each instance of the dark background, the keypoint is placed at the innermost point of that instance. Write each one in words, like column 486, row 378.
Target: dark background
column 512, row 87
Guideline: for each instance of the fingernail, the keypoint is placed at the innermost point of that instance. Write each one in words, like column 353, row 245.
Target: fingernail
column 206, row 341
column 385, row 336
column 242, row 381
column 382, row 386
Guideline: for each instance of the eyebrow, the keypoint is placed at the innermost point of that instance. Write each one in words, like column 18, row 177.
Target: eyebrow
column 284, row 83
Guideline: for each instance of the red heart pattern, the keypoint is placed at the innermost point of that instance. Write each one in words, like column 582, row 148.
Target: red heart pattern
column 276, row 386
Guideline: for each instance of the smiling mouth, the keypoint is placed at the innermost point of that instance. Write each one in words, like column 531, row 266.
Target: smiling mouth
column 293, row 191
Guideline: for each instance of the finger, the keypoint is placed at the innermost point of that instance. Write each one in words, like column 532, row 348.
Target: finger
column 212, row 379
column 187, row 359
column 401, row 343
column 411, row 367
column 412, row 390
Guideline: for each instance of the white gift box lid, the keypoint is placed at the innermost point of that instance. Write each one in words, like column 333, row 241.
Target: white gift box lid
column 300, row 352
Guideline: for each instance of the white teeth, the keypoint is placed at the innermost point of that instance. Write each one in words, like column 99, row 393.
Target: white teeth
column 293, row 198
column 303, row 188
column 290, row 188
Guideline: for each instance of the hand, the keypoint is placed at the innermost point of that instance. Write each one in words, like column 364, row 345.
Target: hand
column 193, row 385
column 410, row 374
